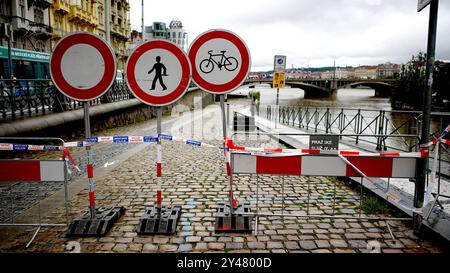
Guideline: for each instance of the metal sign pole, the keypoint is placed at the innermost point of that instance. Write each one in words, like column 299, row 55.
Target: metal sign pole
column 158, row 158
column 419, row 190
column 90, row 169
column 277, row 113
column 224, row 128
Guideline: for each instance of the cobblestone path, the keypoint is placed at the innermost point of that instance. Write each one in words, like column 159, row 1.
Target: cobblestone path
column 195, row 178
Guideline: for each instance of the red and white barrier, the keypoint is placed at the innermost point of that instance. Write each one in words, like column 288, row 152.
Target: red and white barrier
column 230, row 144
column 32, row 170
column 323, row 165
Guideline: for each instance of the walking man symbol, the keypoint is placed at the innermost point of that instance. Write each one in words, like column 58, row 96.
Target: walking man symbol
column 158, row 67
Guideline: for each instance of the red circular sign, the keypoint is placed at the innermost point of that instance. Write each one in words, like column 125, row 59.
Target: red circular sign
column 169, row 67
column 221, row 52
column 83, row 66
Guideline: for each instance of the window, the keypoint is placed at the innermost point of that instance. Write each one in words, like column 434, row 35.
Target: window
column 38, row 16
column 179, row 34
column 22, row 10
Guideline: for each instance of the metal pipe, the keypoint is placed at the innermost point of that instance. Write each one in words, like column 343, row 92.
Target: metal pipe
column 34, row 236
column 257, row 205
column 307, row 202
column 224, row 131
column 107, row 20
column 282, row 196
column 419, row 189
column 142, row 20
column 32, row 225
column 90, row 161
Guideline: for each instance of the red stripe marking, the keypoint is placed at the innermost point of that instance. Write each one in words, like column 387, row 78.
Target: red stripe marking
column 348, row 153
column 446, row 141
column 90, row 171
column 20, row 171
column 311, row 151
column 370, row 166
column 235, row 205
column 158, row 198
column 241, row 148
column 424, row 152
column 158, row 170
column 91, row 199
column 229, row 143
column 288, row 165
column 390, row 154
column 273, row 150
column 228, row 169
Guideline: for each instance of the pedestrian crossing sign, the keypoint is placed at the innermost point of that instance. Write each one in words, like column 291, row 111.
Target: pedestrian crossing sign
column 278, row 80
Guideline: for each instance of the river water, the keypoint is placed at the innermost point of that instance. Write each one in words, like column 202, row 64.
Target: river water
column 363, row 99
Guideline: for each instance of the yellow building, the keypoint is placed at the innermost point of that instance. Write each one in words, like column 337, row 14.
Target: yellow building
column 89, row 15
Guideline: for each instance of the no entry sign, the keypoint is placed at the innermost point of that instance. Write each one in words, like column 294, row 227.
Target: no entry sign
column 83, row 66
column 158, row 72
column 220, row 61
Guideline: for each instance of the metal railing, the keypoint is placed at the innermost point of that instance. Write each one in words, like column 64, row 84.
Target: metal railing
column 361, row 122
column 22, row 98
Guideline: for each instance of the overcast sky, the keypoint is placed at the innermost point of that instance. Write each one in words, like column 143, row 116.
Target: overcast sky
column 310, row 33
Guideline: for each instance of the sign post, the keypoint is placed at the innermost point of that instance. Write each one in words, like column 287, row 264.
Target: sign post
column 158, row 75
column 220, row 63
column 279, row 68
column 419, row 190
column 83, row 67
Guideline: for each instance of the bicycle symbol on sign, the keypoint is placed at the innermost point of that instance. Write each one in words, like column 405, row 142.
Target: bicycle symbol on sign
column 208, row 65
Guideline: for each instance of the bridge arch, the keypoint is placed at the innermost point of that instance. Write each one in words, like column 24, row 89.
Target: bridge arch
column 382, row 89
column 327, row 87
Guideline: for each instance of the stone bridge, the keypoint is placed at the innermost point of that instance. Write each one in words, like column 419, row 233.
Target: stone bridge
column 328, row 87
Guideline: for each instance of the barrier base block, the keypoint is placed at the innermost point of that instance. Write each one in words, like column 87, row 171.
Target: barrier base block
column 98, row 226
column 159, row 220
column 227, row 222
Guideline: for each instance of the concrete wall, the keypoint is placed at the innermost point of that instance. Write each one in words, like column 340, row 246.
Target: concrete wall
column 70, row 124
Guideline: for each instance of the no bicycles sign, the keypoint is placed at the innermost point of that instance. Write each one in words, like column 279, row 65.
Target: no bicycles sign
column 220, row 61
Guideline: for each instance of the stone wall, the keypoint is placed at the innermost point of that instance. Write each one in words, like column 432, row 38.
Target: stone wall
column 70, row 125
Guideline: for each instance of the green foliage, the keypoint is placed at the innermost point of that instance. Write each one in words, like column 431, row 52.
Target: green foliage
column 255, row 95
column 371, row 205
column 441, row 85
column 410, row 82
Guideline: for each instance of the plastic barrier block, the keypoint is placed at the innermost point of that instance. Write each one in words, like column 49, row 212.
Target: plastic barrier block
column 98, row 226
column 157, row 220
column 227, row 222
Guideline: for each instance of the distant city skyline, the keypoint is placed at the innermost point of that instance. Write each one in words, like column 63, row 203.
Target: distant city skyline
column 314, row 34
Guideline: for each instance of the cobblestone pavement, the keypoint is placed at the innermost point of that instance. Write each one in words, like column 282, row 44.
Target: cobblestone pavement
column 195, row 178
column 24, row 195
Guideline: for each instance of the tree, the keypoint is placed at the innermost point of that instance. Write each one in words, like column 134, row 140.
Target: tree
column 409, row 84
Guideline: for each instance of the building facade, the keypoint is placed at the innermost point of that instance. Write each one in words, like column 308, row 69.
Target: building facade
column 174, row 33
column 177, row 34
column 89, row 15
column 120, row 28
column 25, row 26
column 387, row 70
column 30, row 23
